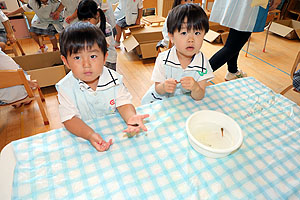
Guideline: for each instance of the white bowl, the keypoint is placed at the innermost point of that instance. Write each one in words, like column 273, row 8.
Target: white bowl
column 205, row 135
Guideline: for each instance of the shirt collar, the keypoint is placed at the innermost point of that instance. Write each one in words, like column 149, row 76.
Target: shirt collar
column 197, row 62
column 107, row 79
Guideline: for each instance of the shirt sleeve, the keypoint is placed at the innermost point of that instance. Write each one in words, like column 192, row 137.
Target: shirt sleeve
column 66, row 107
column 27, row 8
column 159, row 74
column 209, row 76
column 123, row 96
column 140, row 4
column 3, row 17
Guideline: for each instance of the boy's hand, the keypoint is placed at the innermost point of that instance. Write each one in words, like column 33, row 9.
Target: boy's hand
column 135, row 123
column 55, row 15
column 69, row 19
column 11, row 37
column 170, row 85
column 99, row 144
column 189, row 83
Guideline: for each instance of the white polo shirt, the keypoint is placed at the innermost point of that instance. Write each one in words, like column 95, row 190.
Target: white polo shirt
column 76, row 98
column 3, row 18
column 11, row 94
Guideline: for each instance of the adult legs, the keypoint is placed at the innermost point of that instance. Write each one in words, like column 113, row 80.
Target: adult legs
column 230, row 52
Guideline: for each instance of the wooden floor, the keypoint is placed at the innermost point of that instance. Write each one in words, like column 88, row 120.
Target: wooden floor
column 271, row 68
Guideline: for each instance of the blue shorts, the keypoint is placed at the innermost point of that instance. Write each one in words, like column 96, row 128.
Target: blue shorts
column 122, row 23
column 3, row 37
column 49, row 31
column 2, row 103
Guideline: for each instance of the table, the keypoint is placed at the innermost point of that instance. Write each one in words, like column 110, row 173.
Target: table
column 161, row 164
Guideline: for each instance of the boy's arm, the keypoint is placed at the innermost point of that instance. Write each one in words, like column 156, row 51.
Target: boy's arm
column 56, row 14
column 72, row 17
column 19, row 10
column 197, row 88
column 133, row 121
column 81, row 129
column 9, row 31
column 140, row 13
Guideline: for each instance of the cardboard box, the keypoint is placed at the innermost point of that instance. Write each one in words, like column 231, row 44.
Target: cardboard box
column 46, row 68
column 143, row 41
column 217, row 33
column 289, row 29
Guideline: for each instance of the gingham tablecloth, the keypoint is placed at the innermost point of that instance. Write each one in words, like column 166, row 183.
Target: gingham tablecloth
column 161, row 164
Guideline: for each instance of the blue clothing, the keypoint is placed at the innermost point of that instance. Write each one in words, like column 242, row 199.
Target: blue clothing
column 239, row 15
column 76, row 98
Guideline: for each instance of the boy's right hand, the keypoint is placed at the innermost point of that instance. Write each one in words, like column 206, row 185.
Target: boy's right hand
column 170, row 85
column 99, row 144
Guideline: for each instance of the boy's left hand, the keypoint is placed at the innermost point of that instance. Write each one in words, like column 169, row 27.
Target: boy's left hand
column 189, row 83
column 135, row 123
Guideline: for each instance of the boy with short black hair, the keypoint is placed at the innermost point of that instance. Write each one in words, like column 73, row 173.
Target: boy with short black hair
column 91, row 90
column 183, row 68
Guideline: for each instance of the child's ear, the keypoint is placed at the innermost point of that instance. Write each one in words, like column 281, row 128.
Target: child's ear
column 105, row 57
column 171, row 36
column 64, row 59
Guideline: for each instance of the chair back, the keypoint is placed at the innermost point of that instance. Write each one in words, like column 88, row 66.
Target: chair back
column 9, row 78
column 206, row 3
column 295, row 66
column 150, row 4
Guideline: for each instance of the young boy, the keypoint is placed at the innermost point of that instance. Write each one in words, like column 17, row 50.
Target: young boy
column 183, row 68
column 91, row 90
column 128, row 12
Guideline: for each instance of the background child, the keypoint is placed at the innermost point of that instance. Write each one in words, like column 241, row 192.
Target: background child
column 5, row 31
column 183, row 68
column 69, row 8
column 91, row 90
column 42, row 22
column 88, row 11
column 15, row 93
column 165, row 41
column 106, row 6
column 128, row 12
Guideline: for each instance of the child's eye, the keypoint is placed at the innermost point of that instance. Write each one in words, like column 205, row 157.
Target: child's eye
column 197, row 33
column 93, row 56
column 183, row 33
column 76, row 57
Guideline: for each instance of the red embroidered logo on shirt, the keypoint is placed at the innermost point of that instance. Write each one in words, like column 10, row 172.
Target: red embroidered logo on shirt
column 112, row 102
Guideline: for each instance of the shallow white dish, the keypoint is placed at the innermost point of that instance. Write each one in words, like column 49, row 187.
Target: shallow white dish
column 205, row 135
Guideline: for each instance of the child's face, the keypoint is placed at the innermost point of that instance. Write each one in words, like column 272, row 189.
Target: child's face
column 44, row 2
column 87, row 64
column 187, row 43
column 186, row 1
column 95, row 20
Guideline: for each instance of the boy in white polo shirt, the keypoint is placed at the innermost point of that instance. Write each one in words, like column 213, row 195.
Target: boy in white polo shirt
column 91, row 90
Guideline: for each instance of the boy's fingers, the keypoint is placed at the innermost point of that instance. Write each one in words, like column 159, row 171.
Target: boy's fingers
column 143, row 127
column 145, row 116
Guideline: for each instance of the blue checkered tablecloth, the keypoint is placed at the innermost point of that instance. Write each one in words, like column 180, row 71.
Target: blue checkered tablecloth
column 161, row 164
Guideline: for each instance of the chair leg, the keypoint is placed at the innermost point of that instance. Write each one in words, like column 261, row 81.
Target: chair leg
column 40, row 93
column 286, row 89
column 42, row 110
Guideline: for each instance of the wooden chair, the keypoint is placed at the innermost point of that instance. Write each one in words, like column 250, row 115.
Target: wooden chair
column 162, row 49
column 9, row 78
column 152, row 20
column 11, row 48
column 294, row 68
